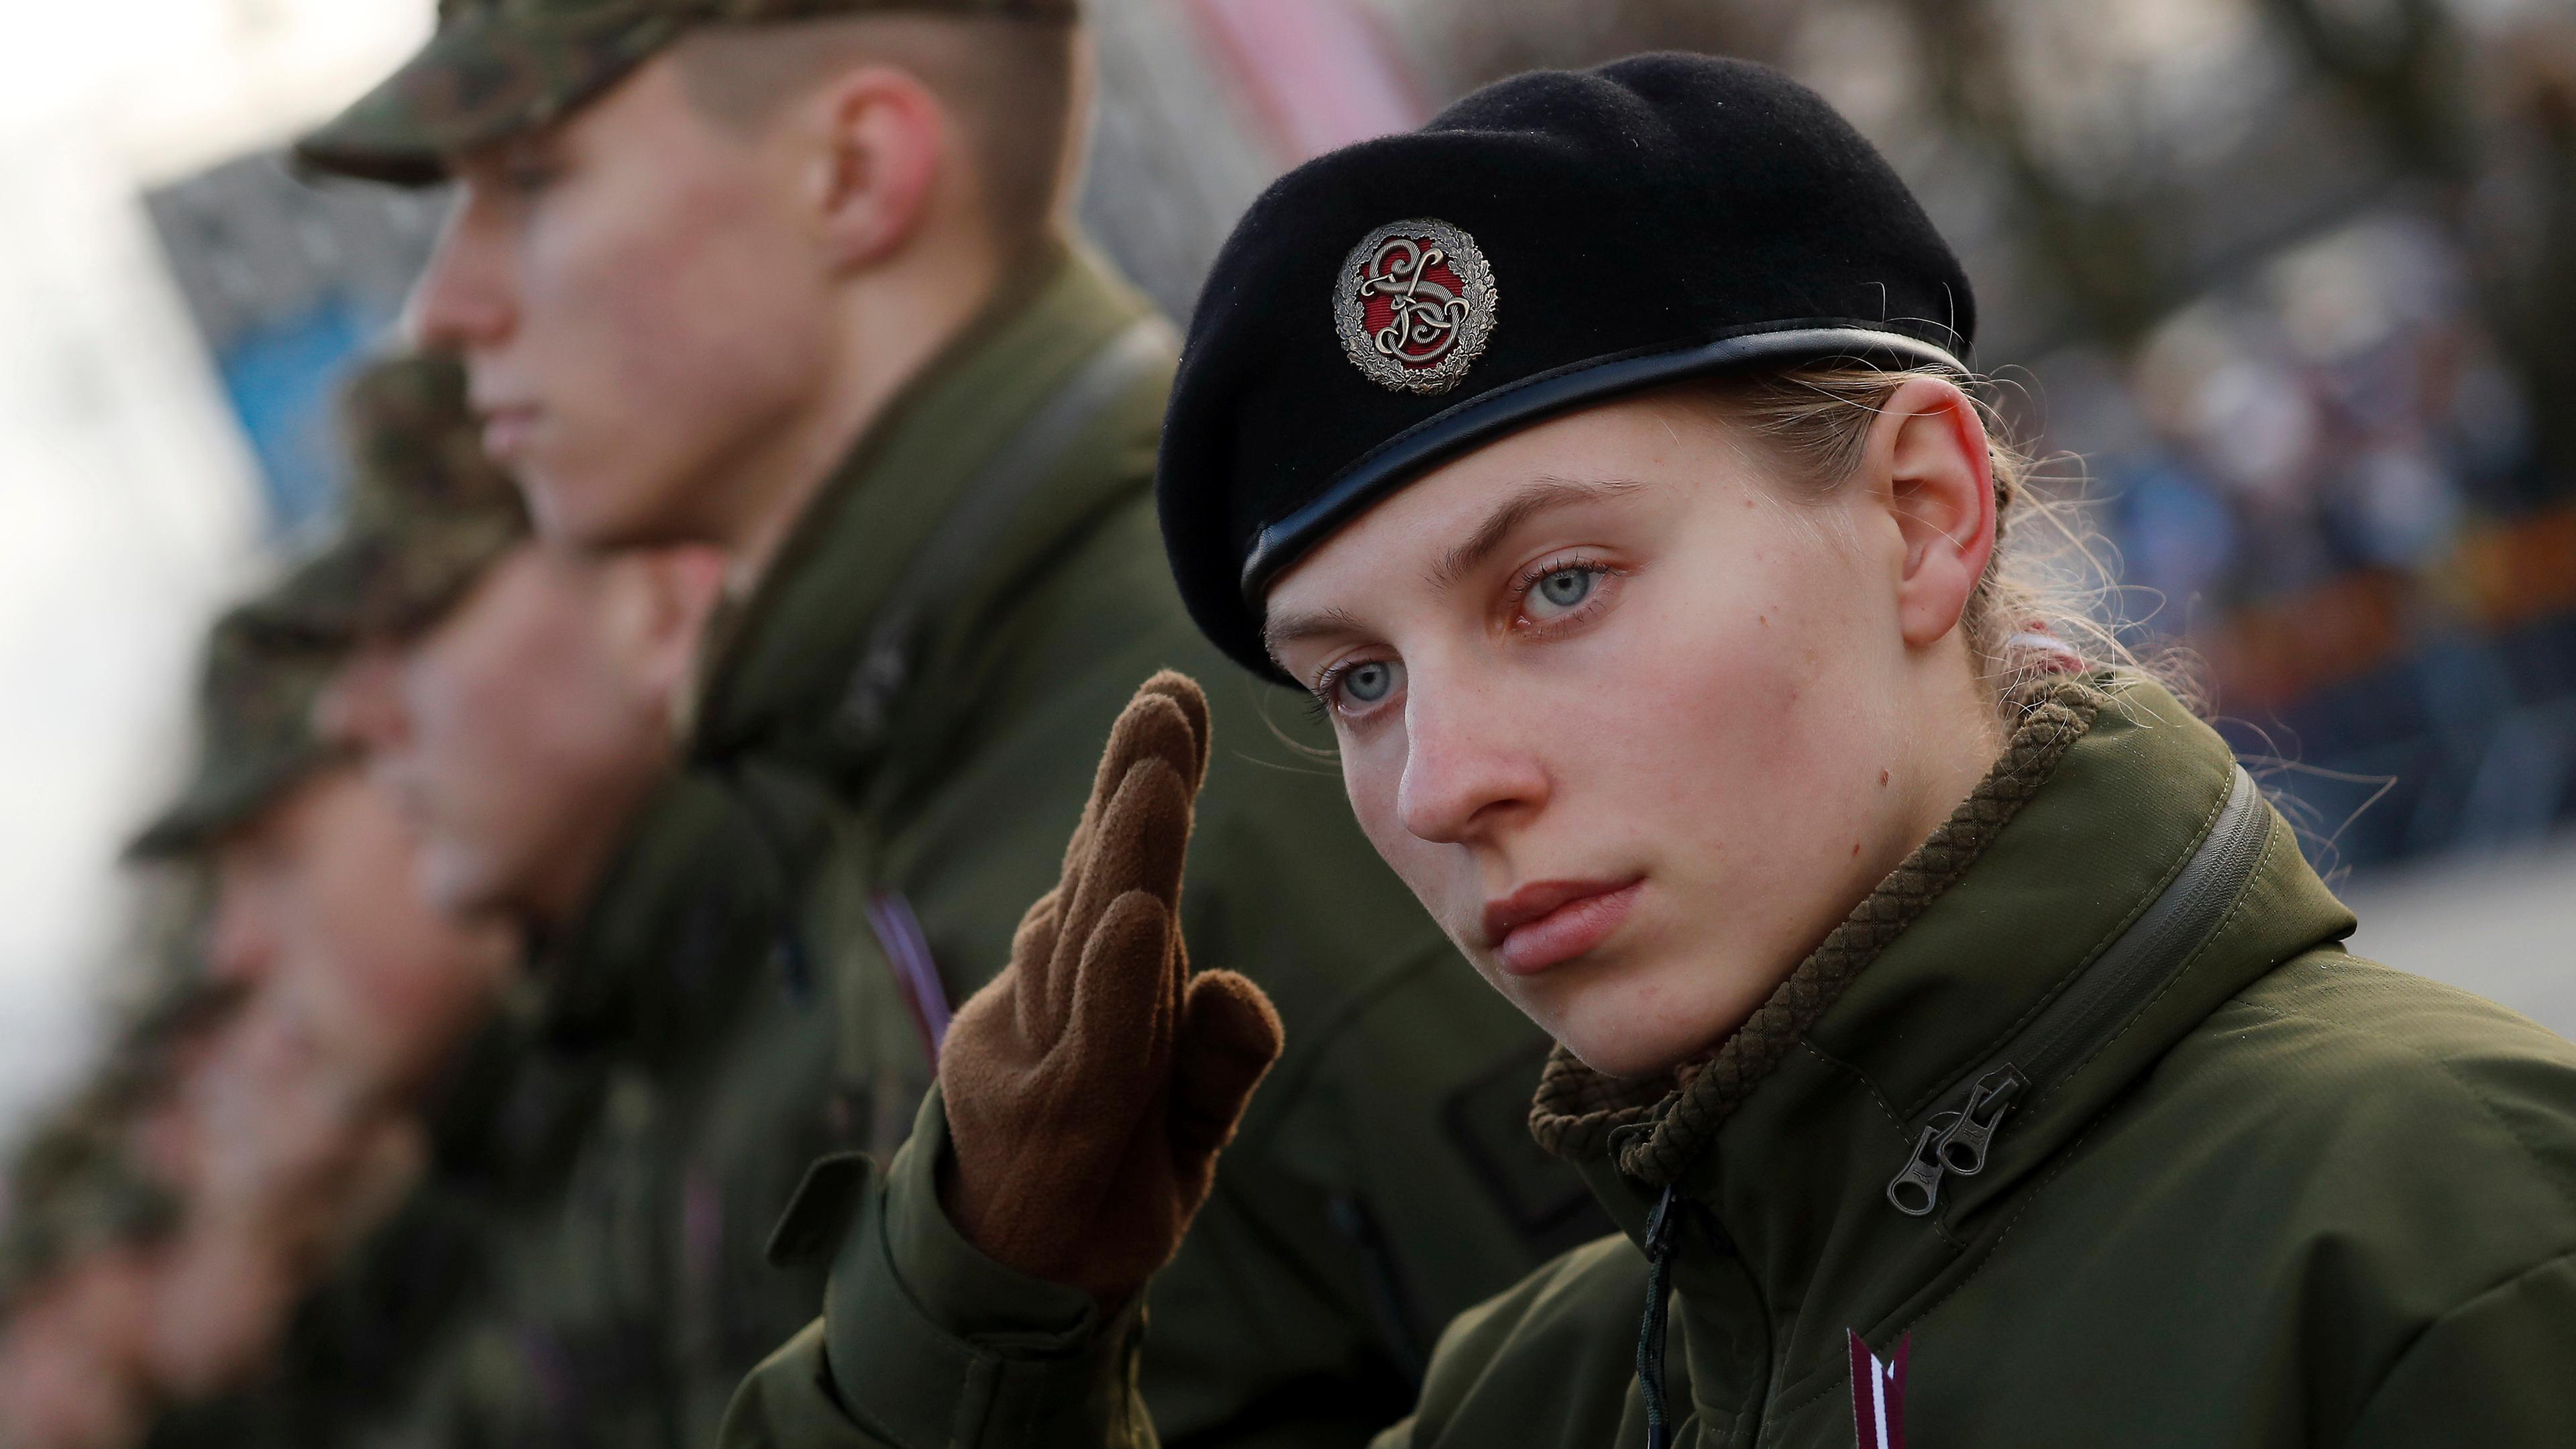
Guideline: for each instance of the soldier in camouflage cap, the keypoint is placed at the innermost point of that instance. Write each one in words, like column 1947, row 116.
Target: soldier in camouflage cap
column 76, row 1185
column 255, row 736
column 427, row 512
column 497, row 68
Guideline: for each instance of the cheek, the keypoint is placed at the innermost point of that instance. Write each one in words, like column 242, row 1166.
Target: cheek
column 452, row 709
column 480, row 702
column 664, row 317
column 1742, row 677
column 1442, row 877
column 1758, row 746
column 1372, row 773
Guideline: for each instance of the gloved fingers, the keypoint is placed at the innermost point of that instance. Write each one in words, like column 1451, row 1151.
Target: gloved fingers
column 1164, row 725
column 1166, row 720
column 1230, row 1035
column 1139, row 842
column 1185, row 694
column 1033, row 968
column 1122, row 1012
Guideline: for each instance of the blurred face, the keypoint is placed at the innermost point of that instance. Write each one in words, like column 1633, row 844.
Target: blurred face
column 1635, row 728
column 69, row 1375
column 315, row 900
column 635, row 307
column 513, row 735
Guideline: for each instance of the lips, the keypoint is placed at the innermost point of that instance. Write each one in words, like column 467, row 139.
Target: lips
column 1548, row 922
column 506, row 431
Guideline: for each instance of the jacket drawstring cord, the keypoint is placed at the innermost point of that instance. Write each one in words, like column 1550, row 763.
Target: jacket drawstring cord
column 1650, row 1334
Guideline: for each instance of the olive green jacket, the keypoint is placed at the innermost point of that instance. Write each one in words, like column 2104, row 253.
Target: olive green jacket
column 585, row 1262
column 365, row 1349
column 913, row 702
column 621, row 1304
column 2232, row 1185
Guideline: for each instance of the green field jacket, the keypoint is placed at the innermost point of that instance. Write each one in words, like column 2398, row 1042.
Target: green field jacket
column 2083, row 1130
column 623, row 1302
column 914, row 701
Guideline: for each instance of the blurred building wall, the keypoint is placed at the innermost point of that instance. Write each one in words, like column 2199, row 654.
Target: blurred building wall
column 2495, row 923
column 128, row 496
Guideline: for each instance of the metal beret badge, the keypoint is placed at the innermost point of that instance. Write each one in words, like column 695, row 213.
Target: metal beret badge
column 1414, row 304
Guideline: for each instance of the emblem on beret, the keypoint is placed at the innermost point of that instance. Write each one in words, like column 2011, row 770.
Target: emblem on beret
column 1414, row 305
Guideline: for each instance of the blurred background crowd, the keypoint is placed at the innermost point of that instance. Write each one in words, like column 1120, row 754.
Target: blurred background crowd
column 2283, row 289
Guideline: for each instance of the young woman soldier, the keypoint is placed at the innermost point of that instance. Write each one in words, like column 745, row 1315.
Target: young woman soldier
column 1954, row 1030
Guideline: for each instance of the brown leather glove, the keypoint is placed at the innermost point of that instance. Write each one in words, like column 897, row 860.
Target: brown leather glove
column 1090, row 1085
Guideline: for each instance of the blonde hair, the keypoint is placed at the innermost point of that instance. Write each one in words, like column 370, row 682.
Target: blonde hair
column 2046, row 590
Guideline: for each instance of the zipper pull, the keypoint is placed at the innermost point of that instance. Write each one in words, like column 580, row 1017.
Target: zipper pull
column 1916, row 1188
column 1955, row 1141
column 1962, row 1149
column 1650, row 1334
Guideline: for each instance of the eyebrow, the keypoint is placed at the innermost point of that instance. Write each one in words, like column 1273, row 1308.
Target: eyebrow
column 1545, row 495
column 1278, row 634
column 1538, row 497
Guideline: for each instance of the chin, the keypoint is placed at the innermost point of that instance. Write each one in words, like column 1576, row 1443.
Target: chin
column 454, row 887
column 1634, row 1057
column 558, row 509
column 1627, row 1028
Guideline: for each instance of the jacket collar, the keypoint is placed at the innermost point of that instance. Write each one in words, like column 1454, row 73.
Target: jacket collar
column 782, row 660
column 1788, row 1140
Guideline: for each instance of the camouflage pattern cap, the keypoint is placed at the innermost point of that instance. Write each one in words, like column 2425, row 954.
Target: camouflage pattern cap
column 76, row 1186
column 255, row 737
column 427, row 513
column 496, row 68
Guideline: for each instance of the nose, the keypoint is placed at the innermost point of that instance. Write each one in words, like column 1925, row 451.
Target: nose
column 362, row 708
column 462, row 300
column 1464, row 776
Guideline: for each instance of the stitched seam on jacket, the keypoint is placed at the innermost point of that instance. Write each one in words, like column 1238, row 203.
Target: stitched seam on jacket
column 2235, row 908
column 2414, row 1341
column 2118, row 929
column 1862, row 1078
column 1827, row 1379
column 2475, row 1096
column 2065, row 1160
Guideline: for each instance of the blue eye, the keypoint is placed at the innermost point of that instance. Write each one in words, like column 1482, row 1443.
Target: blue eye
column 1567, row 588
column 1370, row 682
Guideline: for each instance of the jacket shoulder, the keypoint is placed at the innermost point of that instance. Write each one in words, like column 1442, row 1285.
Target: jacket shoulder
column 2389, row 1111
column 2447, row 1074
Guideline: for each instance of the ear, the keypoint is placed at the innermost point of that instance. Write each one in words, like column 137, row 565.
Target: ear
column 1928, row 463
column 662, row 599
column 886, row 139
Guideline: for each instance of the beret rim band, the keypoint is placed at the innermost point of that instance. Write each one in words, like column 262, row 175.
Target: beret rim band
column 1394, row 463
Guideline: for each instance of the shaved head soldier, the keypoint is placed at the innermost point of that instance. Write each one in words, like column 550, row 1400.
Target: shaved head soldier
column 293, row 1131
column 793, row 277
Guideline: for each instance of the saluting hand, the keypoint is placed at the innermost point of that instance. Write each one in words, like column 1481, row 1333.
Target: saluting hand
column 1090, row 1086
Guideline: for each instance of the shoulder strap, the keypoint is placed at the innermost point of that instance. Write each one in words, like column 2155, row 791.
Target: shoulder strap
column 941, row 570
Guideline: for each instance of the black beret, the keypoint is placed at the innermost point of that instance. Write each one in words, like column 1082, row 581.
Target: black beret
column 1545, row 243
